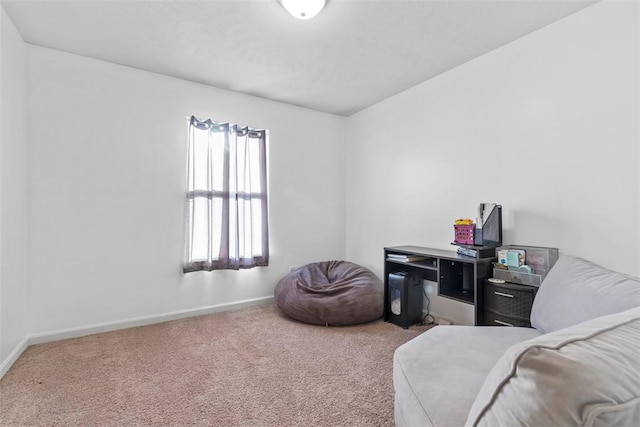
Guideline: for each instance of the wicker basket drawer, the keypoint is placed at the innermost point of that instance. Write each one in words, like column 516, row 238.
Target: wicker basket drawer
column 495, row 319
column 509, row 299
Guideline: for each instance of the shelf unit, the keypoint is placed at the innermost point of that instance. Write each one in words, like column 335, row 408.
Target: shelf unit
column 459, row 277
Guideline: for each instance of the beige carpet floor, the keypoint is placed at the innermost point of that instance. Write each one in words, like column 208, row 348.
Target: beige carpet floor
column 250, row 367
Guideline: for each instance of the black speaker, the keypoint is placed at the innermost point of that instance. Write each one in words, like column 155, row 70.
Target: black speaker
column 405, row 298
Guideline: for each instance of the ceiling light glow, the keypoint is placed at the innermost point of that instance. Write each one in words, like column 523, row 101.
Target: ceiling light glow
column 303, row 9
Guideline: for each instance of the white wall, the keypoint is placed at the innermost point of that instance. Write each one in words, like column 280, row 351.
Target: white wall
column 547, row 126
column 13, row 195
column 107, row 174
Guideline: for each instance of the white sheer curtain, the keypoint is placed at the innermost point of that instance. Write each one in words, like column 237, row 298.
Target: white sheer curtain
column 227, row 222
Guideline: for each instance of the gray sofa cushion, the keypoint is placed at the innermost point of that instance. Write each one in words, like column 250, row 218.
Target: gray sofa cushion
column 576, row 290
column 438, row 374
column 587, row 374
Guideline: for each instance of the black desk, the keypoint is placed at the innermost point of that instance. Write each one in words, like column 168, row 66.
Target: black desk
column 459, row 277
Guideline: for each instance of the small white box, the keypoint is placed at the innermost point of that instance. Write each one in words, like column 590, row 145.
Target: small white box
column 502, row 256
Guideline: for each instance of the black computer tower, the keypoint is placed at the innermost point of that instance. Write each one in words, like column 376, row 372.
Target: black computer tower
column 405, row 298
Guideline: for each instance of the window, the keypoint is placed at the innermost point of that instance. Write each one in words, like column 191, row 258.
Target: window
column 227, row 222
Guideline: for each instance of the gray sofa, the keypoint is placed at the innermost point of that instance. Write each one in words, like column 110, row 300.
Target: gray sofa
column 578, row 365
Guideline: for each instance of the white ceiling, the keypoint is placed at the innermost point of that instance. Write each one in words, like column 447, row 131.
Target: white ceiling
column 352, row 55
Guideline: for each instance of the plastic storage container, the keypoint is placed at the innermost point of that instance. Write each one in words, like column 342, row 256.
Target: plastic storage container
column 515, row 276
column 540, row 259
column 464, row 234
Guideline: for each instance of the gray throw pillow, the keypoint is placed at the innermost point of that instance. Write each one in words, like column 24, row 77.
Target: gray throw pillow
column 586, row 375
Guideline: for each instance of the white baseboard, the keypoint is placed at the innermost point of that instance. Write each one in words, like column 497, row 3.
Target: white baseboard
column 13, row 356
column 142, row 321
column 123, row 324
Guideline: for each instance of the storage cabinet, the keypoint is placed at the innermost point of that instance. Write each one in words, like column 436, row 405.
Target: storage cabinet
column 508, row 304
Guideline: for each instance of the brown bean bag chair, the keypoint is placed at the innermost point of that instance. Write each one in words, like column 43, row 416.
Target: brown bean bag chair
column 331, row 293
